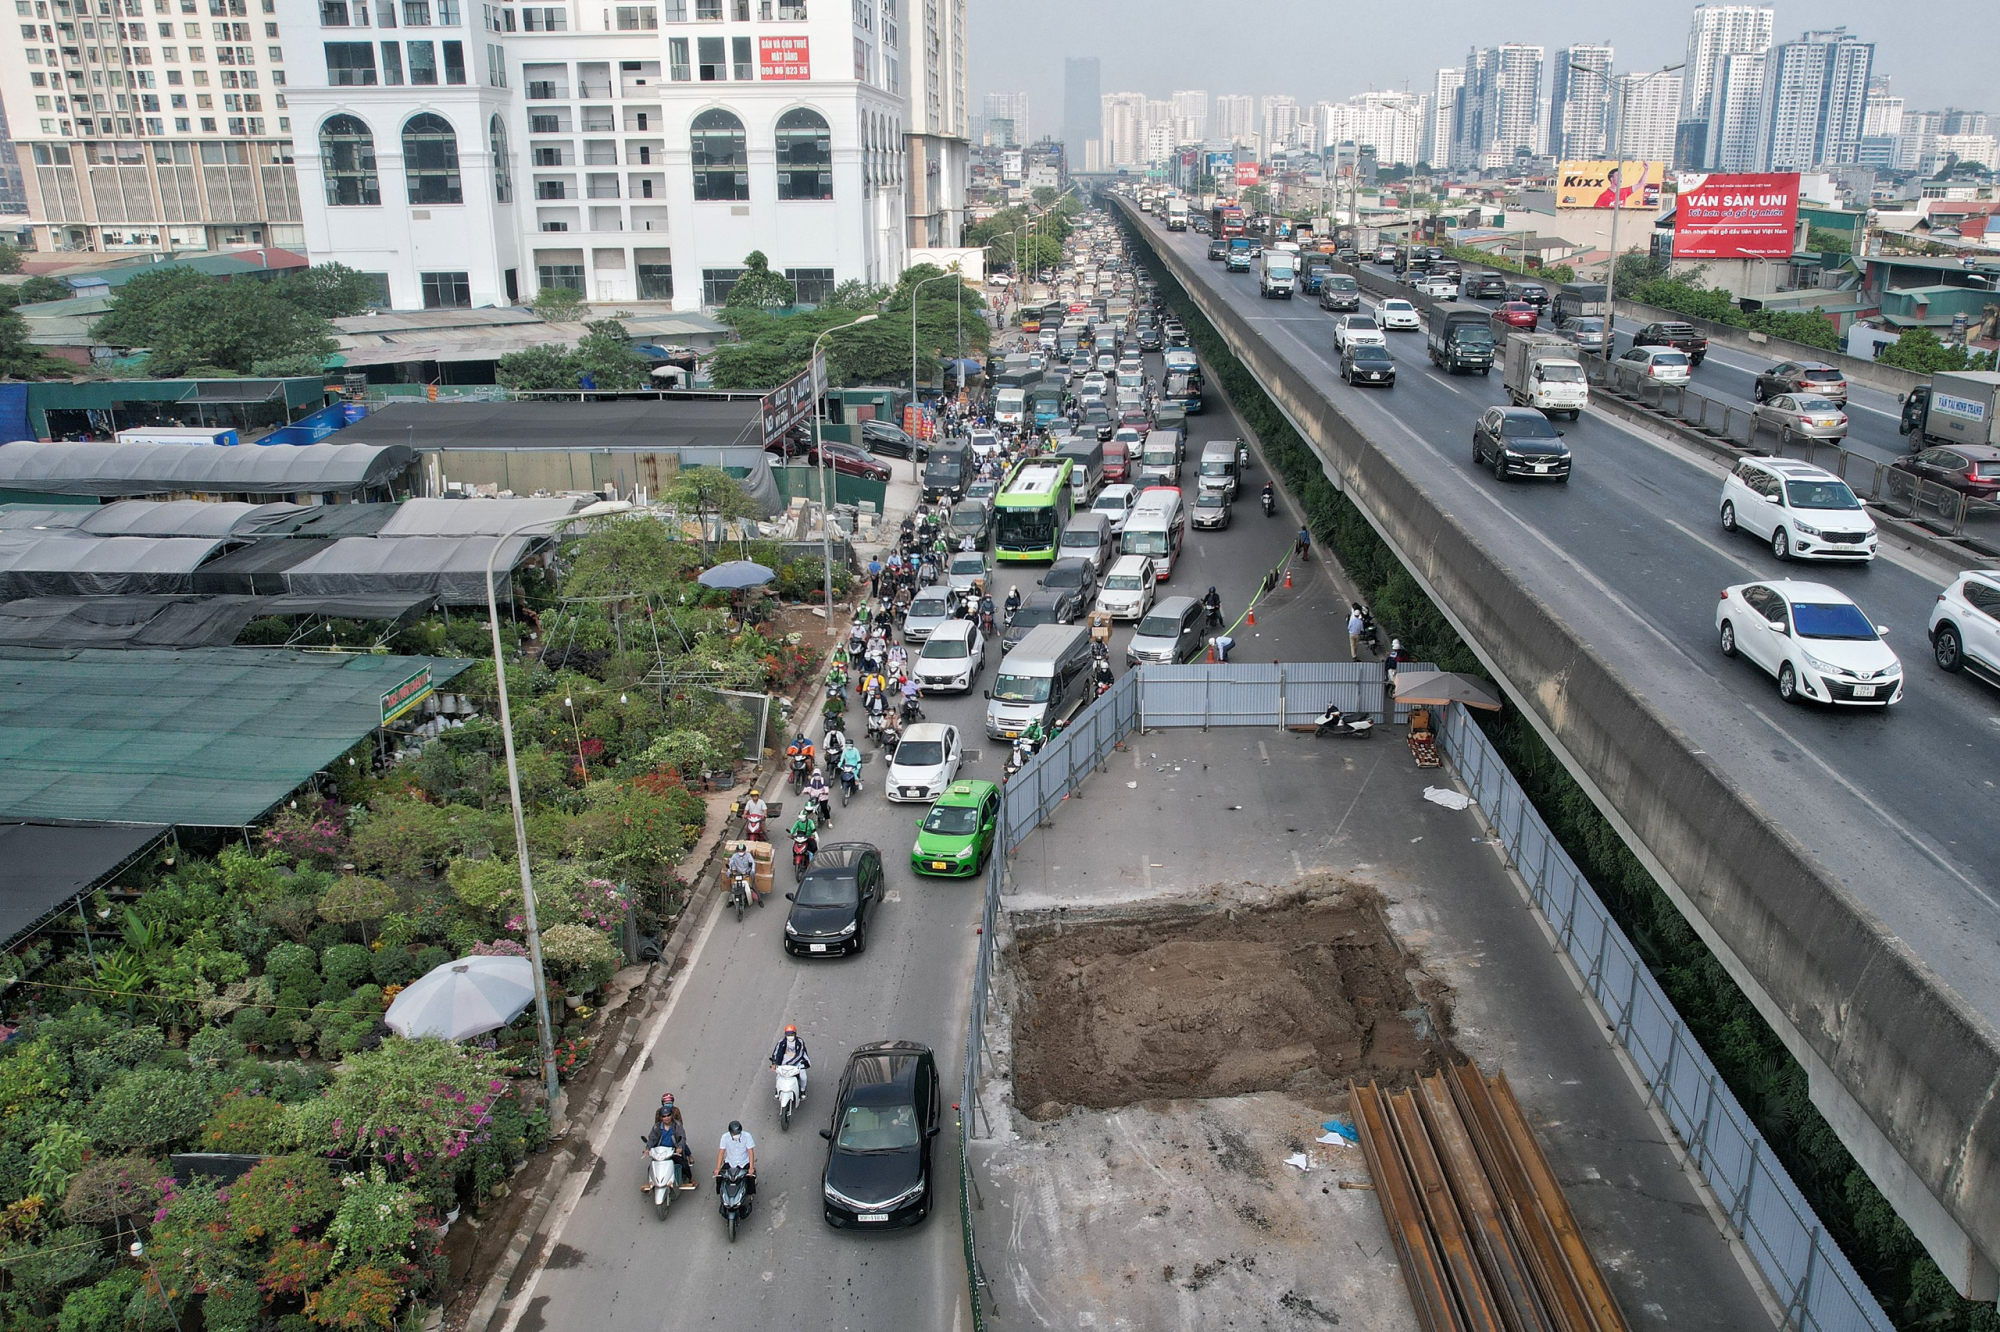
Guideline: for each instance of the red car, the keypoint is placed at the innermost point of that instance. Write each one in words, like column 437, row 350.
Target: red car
column 1517, row 314
column 844, row 459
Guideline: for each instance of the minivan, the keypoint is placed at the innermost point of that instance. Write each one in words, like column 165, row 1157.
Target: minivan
column 947, row 471
column 1088, row 536
column 1045, row 679
column 1170, row 633
column 1218, row 467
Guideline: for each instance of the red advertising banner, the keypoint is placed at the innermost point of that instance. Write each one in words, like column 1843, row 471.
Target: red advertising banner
column 1736, row 217
column 1246, row 173
column 783, row 58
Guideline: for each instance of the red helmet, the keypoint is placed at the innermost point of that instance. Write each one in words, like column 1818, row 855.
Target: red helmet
column 790, row 1030
column 668, row 1099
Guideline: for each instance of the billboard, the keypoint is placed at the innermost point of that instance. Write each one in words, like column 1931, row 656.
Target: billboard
column 792, row 402
column 783, row 58
column 1736, row 217
column 1222, row 166
column 1607, row 184
column 1246, row 173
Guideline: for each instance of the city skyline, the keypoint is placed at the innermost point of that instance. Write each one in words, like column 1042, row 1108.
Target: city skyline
column 1150, row 58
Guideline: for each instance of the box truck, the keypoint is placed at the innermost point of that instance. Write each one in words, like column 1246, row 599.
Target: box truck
column 1956, row 407
column 1542, row 372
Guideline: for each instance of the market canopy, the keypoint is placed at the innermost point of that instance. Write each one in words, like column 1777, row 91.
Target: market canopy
column 36, row 564
column 51, row 865
column 173, row 622
column 204, row 737
column 181, row 518
column 87, row 468
column 452, row 569
column 1438, row 688
column 474, row 517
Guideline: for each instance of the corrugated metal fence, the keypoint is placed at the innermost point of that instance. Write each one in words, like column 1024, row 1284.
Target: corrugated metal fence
column 1817, row 1285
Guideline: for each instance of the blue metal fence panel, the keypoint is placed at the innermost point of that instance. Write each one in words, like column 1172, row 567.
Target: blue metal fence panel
column 1817, row 1285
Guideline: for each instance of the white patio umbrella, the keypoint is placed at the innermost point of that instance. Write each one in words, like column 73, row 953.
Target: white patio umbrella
column 464, row 998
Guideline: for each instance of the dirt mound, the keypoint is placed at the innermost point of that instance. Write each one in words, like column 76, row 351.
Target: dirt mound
column 1203, row 1002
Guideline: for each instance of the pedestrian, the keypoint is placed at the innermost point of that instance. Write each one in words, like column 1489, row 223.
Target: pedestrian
column 1222, row 643
column 1303, row 548
column 1354, row 627
column 874, row 575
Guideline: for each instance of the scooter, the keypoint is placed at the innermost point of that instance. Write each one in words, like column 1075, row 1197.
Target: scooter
column 1242, row 457
column 734, row 1196
column 912, row 710
column 1335, row 722
column 791, row 1091
column 1270, row 505
column 739, row 893
column 850, row 786
column 1371, row 637
column 753, row 828
column 662, row 1177
column 802, row 855
column 801, row 769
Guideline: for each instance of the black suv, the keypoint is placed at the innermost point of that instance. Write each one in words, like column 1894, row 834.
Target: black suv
column 1218, row 249
column 878, row 1155
column 1519, row 441
column 1074, row 582
column 1037, row 608
column 1673, row 333
column 1486, row 287
column 884, row 438
column 1150, row 338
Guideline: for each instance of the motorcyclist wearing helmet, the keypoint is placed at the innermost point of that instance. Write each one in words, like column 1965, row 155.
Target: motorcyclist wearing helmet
column 667, row 1130
column 1212, row 603
column 754, row 808
column 819, row 794
column 742, row 863
column 737, row 1148
column 1013, row 600
column 791, row 1050
column 807, row 827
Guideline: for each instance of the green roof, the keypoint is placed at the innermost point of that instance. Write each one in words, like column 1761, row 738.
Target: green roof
column 201, row 737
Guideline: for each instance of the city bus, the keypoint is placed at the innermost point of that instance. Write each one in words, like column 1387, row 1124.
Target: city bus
column 1032, row 509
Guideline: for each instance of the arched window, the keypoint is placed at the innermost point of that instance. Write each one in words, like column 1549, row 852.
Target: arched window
column 496, row 140
column 430, row 160
column 721, row 161
column 805, row 155
column 347, row 160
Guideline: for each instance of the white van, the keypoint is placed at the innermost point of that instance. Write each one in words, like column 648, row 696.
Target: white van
column 1155, row 529
column 1045, row 679
column 1218, row 467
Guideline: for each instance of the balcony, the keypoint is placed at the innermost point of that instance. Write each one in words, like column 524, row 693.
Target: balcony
column 792, row 12
column 649, row 217
column 547, row 91
column 599, row 120
column 551, row 189
column 602, row 187
column 607, row 219
column 593, row 88
column 600, row 154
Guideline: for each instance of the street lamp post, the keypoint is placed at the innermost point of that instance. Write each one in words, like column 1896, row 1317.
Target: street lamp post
column 1609, row 343
column 825, row 481
column 528, row 921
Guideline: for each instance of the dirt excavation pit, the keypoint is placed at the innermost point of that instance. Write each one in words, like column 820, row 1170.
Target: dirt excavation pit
column 1297, row 993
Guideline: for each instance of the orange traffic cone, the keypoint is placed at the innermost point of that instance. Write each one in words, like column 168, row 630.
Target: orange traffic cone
column 1211, row 652
column 1253, row 617
column 1288, row 575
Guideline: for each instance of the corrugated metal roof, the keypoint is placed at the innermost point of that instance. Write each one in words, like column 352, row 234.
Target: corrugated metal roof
column 139, row 469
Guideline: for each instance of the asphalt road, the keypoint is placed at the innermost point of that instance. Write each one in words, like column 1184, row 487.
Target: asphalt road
column 614, row 1268
column 1631, row 555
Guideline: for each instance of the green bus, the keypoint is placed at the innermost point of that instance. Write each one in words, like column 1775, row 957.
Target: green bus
column 1032, row 509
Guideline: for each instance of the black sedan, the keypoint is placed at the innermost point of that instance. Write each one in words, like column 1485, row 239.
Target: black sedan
column 1074, row 583
column 1150, row 338
column 878, row 1156
column 1368, row 363
column 831, row 906
column 1519, row 441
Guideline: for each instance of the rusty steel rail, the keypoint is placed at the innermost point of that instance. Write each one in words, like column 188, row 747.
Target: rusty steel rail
column 1486, row 1238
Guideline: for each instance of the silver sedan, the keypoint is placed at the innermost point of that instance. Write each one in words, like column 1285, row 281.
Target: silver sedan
column 1803, row 416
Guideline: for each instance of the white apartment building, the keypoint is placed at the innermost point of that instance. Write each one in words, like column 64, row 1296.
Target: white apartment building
column 1436, row 146
column 1280, row 121
column 1124, row 129
column 1234, row 119
column 1814, row 102
column 1715, row 33
column 1645, row 109
column 1579, row 105
column 1191, row 114
column 152, row 124
column 1511, row 117
column 1731, row 141
column 1389, row 122
column 630, row 152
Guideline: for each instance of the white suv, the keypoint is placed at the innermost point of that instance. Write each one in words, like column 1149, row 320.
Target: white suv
column 1965, row 625
column 1803, row 511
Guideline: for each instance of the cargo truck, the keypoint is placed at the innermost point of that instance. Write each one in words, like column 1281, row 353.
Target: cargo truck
column 1461, row 337
column 1277, row 274
column 1177, row 215
column 1956, row 407
column 1542, row 372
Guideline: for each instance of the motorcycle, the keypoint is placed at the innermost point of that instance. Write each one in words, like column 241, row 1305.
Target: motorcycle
column 802, row 855
column 1337, row 723
column 912, row 710
column 1018, row 756
column 801, row 767
column 1214, row 609
column 734, row 1196
column 739, row 893
column 1270, row 504
column 663, row 1177
column 753, row 828
column 791, row 1091
column 822, row 810
column 1371, row 637
column 1242, row 457
column 850, row 786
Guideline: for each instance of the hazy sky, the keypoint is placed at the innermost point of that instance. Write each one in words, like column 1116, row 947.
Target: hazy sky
column 1316, row 50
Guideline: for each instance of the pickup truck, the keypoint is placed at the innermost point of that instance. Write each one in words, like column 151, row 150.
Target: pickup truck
column 1956, row 407
column 1672, row 333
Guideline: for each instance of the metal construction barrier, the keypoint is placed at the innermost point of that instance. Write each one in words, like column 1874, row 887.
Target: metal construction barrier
column 1257, row 694
column 1075, row 752
column 1812, row 1278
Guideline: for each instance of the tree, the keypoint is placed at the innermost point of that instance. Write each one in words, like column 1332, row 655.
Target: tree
column 18, row 360
column 1634, row 269
column 38, row 289
column 710, row 492
column 1920, row 350
column 543, row 369
column 331, row 291
column 759, row 287
column 191, row 323
column 605, row 355
column 559, row 305
column 10, row 259
column 1045, row 196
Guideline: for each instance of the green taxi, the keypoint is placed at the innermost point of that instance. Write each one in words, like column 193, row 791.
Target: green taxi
column 957, row 835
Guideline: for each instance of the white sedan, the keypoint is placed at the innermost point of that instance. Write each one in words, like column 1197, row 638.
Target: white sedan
column 1813, row 638
column 1356, row 328
column 1399, row 314
column 924, row 764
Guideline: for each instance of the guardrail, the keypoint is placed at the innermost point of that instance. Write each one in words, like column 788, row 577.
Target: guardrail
column 1818, row 1287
